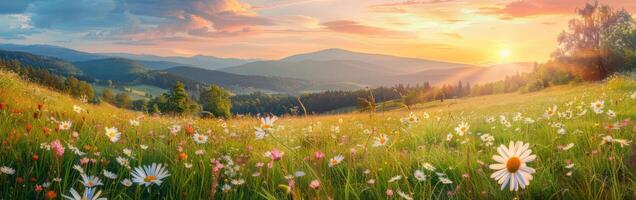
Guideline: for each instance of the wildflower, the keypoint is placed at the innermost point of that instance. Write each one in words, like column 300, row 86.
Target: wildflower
column 462, row 128
column 389, row 192
column 182, row 156
column 260, row 133
column 57, row 147
column 200, row 138
column 411, row 119
column 150, row 174
column 487, row 139
column 91, row 181
column 51, row 194
column 299, row 174
column 174, row 129
column 335, row 160
column 89, row 194
column 428, row 166
column 79, row 169
column 419, row 175
column 77, row 109
column 598, row 106
column 267, row 123
column 319, row 155
column 445, row 180
column 65, row 125
column 611, row 114
column 275, row 154
column 512, row 168
column 109, row 174
column 126, row 182
column 550, row 112
column 133, row 122
column 113, row 134
column 381, row 141
column 315, row 184
column 404, row 195
column 395, row 178
column 7, row 170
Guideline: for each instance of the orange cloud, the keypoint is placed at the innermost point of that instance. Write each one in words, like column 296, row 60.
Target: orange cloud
column 527, row 8
column 399, row 6
column 352, row 27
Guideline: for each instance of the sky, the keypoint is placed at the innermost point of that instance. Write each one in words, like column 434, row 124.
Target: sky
column 463, row 31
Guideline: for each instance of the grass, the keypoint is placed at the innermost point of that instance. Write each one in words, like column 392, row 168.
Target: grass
column 599, row 171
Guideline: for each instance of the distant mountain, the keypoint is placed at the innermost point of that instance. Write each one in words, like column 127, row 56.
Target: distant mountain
column 339, row 65
column 394, row 64
column 54, row 65
column 115, row 69
column 325, row 71
column 52, row 51
column 205, row 62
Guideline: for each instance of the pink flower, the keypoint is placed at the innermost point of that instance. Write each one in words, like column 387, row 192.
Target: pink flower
column 38, row 188
column 319, row 155
column 315, row 184
column 389, row 192
column 57, row 147
column 276, row 154
column 84, row 161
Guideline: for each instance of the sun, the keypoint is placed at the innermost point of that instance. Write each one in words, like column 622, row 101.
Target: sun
column 504, row 54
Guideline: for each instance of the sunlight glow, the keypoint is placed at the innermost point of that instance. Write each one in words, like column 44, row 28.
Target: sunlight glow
column 504, row 53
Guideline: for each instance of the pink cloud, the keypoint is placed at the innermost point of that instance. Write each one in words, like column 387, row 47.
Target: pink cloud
column 526, row 8
column 400, row 7
column 352, row 27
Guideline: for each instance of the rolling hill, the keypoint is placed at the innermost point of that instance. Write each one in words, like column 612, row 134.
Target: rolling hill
column 205, row 62
column 55, row 65
column 115, row 69
column 52, row 51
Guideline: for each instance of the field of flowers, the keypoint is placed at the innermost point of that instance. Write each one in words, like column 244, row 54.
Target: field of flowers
column 569, row 142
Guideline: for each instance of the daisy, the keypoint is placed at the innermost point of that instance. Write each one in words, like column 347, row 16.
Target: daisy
column 126, row 182
column 487, row 139
column 77, row 109
column 150, row 174
column 267, row 123
column 200, row 138
column 91, row 181
column 395, row 178
column 611, row 113
column 113, row 134
column 598, row 106
column 462, row 129
column 419, row 175
column 550, row 112
column 411, row 119
column 381, row 141
column 89, row 194
column 428, row 166
column 260, row 133
column 404, row 195
column 109, row 174
column 7, row 170
column 174, row 129
column 65, row 125
column 335, row 160
column 445, row 180
column 512, row 168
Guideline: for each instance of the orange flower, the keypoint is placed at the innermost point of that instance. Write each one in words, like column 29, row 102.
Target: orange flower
column 46, row 130
column 183, row 156
column 189, row 130
column 51, row 194
column 40, row 105
column 1, row 106
column 35, row 157
column 29, row 127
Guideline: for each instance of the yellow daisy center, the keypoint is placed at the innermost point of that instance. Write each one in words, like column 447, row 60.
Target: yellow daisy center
column 200, row 138
column 150, row 178
column 265, row 126
column 513, row 164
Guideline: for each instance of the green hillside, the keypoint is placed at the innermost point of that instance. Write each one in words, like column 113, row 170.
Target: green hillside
column 115, row 69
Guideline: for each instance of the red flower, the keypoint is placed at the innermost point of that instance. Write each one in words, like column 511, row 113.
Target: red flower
column 183, row 156
column 51, row 194
column 40, row 105
column 29, row 127
column 35, row 157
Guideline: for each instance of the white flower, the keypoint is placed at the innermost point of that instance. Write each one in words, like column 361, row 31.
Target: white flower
column 487, row 139
column 633, row 95
column 126, row 182
column 598, row 106
column 109, row 174
column 611, row 114
column 260, row 133
column 89, row 194
column 143, row 146
column 550, row 112
column 528, row 120
column 428, row 166
column 7, row 170
column 299, row 174
column 449, row 137
column 561, row 131
column 512, row 169
column 411, row 119
column 91, row 181
column 568, row 147
column 445, row 180
column 381, row 141
column 133, row 122
column 174, row 129
column 462, row 128
column 267, row 123
column 79, row 169
column 395, row 178
column 404, row 195
column 419, row 175
column 113, row 134
column 77, row 109
column 65, row 125
column 150, row 174
column 200, row 138
column 335, row 160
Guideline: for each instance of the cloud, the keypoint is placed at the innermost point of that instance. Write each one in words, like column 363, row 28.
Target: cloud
column 14, row 6
column 400, row 7
column 453, row 35
column 528, row 8
column 352, row 27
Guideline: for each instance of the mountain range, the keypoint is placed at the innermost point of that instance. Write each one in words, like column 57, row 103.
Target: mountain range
column 329, row 69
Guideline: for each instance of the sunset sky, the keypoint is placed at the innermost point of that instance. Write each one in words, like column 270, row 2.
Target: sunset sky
column 467, row 31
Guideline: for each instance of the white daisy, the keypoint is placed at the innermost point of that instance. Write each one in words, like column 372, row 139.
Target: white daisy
column 150, row 174
column 133, row 122
column 113, row 134
column 65, row 125
column 200, row 138
column 335, row 160
column 126, row 182
column 419, row 175
column 267, row 123
column 381, row 141
column 462, row 128
column 598, row 106
column 89, row 194
column 91, row 181
column 77, row 109
column 512, row 169
column 7, row 170
column 109, row 174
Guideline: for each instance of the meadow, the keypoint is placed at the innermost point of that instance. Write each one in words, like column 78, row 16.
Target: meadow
column 576, row 144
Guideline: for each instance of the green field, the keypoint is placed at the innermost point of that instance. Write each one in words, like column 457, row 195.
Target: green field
column 385, row 155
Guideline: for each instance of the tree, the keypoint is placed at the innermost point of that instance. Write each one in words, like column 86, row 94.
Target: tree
column 594, row 45
column 216, row 101
column 123, row 100
column 140, row 105
column 108, row 96
column 177, row 100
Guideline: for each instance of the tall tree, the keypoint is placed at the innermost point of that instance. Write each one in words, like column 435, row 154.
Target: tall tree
column 216, row 101
column 123, row 100
column 108, row 96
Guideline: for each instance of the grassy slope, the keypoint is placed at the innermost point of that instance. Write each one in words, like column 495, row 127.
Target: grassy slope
column 594, row 175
